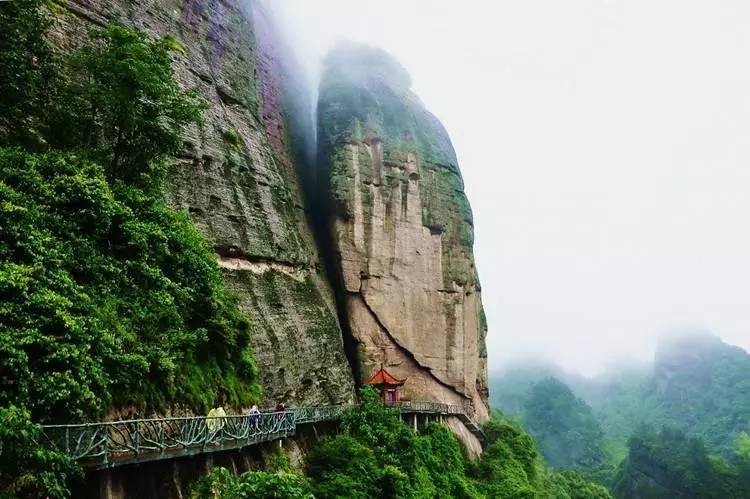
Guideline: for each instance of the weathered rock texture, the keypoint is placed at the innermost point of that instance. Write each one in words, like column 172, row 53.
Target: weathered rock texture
column 408, row 294
column 402, row 226
column 237, row 178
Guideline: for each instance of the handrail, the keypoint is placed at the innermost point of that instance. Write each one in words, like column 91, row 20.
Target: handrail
column 115, row 443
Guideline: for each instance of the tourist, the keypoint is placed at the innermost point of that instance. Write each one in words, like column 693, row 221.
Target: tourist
column 254, row 414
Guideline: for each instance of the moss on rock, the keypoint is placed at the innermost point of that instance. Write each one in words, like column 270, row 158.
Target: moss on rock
column 365, row 98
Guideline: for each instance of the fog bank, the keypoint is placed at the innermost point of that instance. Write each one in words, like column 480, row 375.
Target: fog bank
column 605, row 147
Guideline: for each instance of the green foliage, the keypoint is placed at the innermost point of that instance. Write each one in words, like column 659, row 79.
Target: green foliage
column 107, row 296
column 572, row 484
column 742, row 446
column 671, row 464
column 231, row 138
column 742, row 463
column 127, row 106
column 563, row 425
column 702, row 387
column 511, row 464
column 698, row 386
column 27, row 470
column 27, row 71
column 221, row 484
column 377, row 455
column 512, row 467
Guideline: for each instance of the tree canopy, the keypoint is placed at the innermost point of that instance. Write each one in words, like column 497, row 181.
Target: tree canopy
column 108, row 297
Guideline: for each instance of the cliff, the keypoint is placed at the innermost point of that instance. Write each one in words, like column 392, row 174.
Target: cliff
column 402, row 229
column 238, row 179
column 406, row 292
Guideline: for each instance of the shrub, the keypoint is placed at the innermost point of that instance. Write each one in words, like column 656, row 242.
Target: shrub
column 221, row 484
column 108, row 296
column 128, row 108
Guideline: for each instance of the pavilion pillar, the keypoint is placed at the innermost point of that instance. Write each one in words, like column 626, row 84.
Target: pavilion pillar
column 415, row 422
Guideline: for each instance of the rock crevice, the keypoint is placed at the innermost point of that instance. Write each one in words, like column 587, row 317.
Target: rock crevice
column 402, row 229
column 238, row 179
column 384, row 329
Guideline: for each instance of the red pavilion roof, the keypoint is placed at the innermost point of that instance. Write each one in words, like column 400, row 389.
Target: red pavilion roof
column 383, row 377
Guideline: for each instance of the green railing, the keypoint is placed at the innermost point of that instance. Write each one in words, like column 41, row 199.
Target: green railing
column 116, row 443
column 123, row 442
column 424, row 407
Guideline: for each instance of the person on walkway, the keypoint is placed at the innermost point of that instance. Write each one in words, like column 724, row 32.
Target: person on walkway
column 215, row 419
column 280, row 410
column 254, row 414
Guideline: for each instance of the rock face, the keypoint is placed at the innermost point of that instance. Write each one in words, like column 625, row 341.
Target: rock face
column 237, row 178
column 402, row 227
column 400, row 255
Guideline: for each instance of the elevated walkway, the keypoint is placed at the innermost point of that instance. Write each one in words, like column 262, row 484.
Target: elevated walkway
column 118, row 443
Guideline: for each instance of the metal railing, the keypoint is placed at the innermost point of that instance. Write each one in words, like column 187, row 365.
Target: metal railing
column 424, row 407
column 116, row 443
column 313, row 414
column 122, row 442
column 429, row 407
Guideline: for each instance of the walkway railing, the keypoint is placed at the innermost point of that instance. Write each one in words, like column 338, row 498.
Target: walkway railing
column 424, row 407
column 116, row 443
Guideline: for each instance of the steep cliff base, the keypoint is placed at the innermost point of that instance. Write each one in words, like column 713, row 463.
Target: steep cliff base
column 377, row 346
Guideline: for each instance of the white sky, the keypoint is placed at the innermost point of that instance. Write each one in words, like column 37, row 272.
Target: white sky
column 605, row 146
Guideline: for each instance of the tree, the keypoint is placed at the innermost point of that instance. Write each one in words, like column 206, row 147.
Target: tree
column 27, row 470
column 564, row 426
column 221, row 484
column 511, row 466
column 671, row 464
column 128, row 107
column 377, row 455
column 107, row 296
column 28, row 73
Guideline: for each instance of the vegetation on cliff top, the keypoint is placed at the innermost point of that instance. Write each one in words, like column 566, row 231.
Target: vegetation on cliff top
column 108, row 297
column 365, row 96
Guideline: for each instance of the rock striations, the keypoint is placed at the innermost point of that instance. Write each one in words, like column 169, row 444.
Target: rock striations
column 237, row 179
column 402, row 227
column 404, row 291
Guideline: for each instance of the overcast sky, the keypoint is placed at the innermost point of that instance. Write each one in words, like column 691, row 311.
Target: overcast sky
column 605, row 147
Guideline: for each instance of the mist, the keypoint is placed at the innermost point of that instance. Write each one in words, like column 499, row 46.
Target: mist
column 605, row 149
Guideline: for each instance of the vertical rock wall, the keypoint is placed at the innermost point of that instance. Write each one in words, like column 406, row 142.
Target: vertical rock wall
column 237, row 178
column 408, row 293
column 402, row 226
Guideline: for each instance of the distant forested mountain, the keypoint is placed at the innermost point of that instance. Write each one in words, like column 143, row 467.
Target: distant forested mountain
column 564, row 426
column 668, row 463
column 643, row 429
column 697, row 384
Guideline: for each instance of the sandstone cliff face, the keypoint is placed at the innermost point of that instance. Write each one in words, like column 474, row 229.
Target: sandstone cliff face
column 402, row 226
column 238, row 181
column 408, row 293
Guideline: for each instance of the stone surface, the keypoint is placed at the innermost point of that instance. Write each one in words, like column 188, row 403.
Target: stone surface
column 407, row 292
column 403, row 230
column 237, row 178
